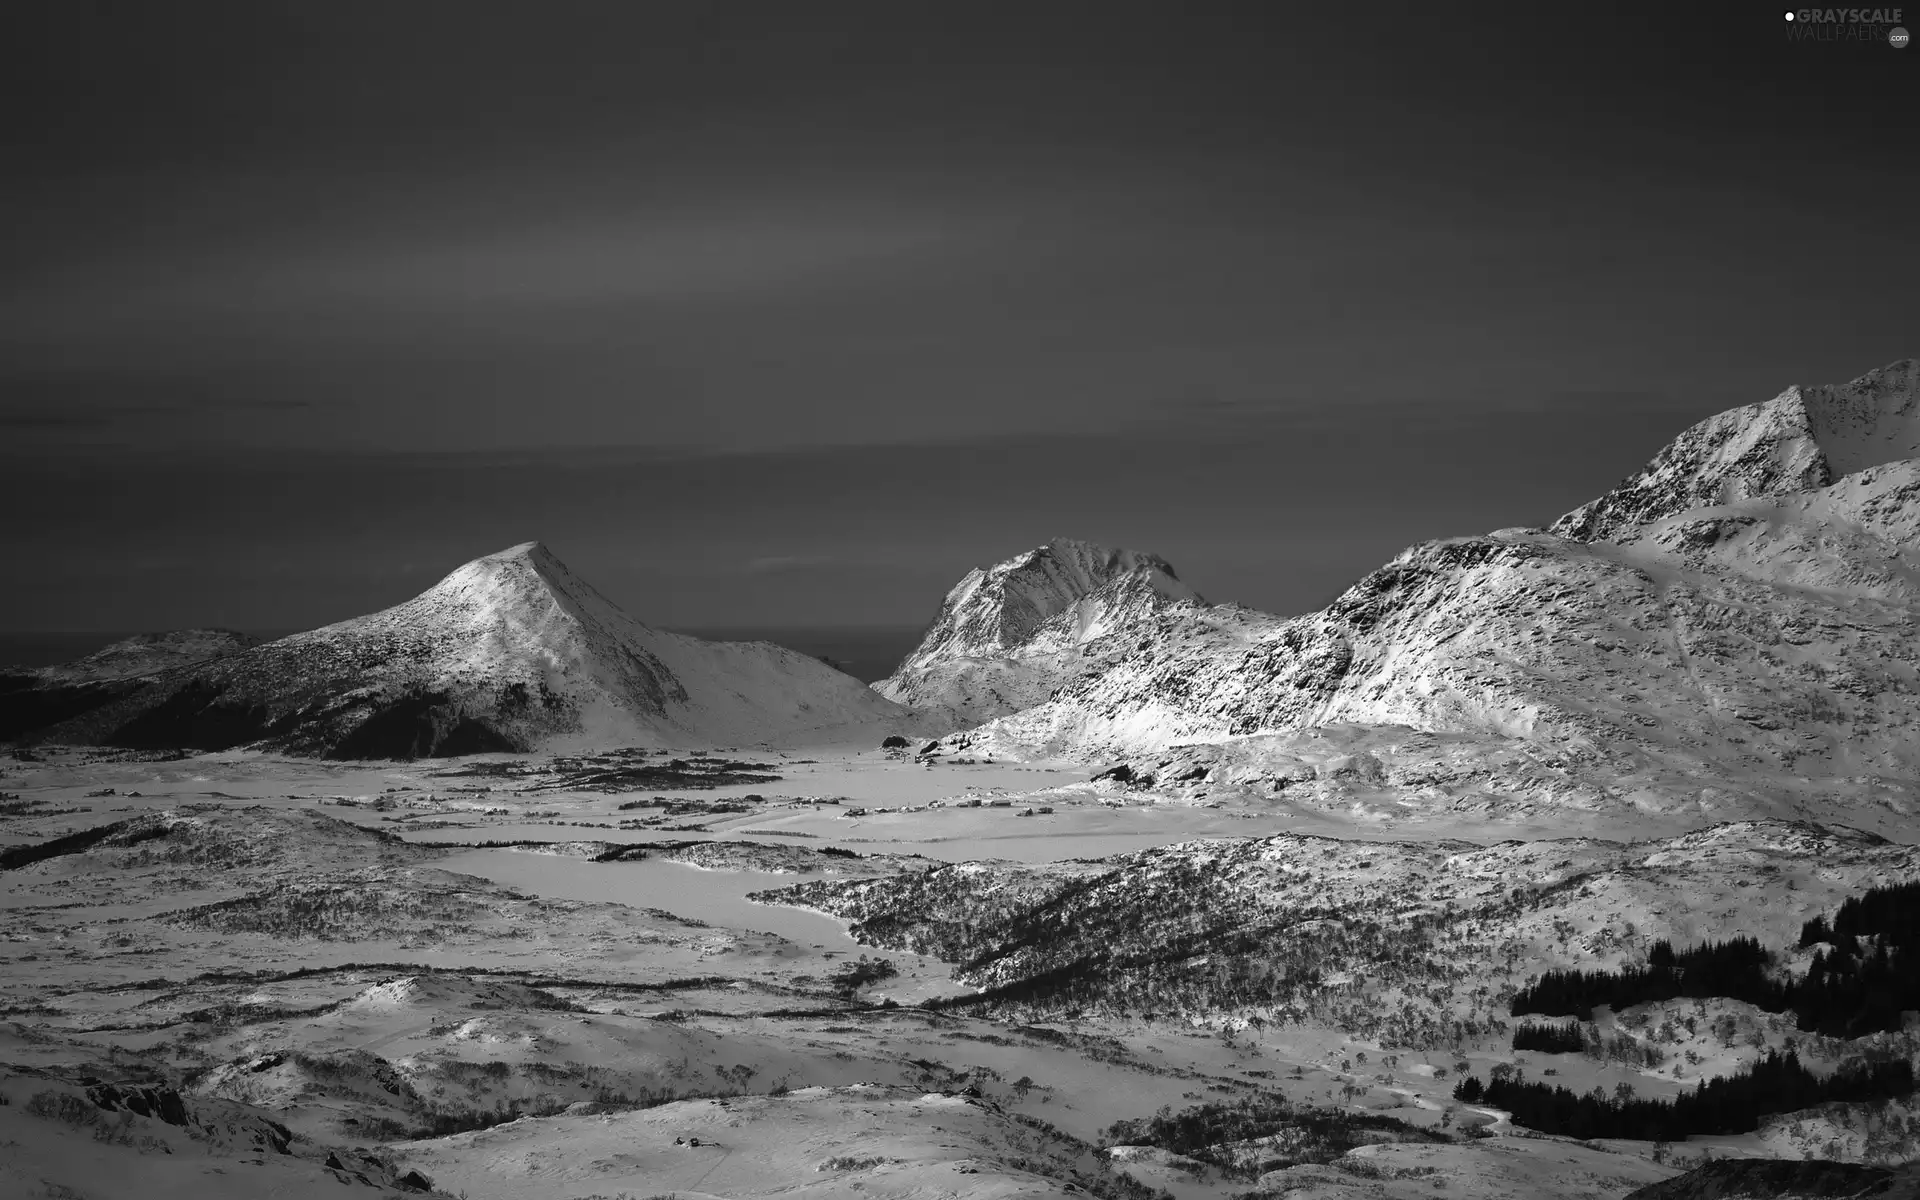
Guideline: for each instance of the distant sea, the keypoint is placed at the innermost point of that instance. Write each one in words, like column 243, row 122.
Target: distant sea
column 867, row 653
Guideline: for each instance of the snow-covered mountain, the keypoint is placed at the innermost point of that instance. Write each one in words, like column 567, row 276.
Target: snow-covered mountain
column 510, row 652
column 1009, row 635
column 1743, row 614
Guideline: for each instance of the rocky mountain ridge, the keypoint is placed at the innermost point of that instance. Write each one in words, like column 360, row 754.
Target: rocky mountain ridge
column 1748, row 627
column 1803, row 439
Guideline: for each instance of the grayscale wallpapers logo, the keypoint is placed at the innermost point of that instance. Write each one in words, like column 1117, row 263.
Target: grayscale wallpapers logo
column 1847, row 25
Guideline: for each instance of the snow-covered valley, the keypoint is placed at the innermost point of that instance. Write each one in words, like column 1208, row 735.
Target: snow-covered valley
column 1108, row 889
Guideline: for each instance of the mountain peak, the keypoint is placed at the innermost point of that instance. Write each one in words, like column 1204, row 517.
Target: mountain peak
column 1026, row 620
column 999, row 608
column 515, row 584
column 514, row 561
column 510, row 651
column 1869, row 421
column 1805, row 438
column 1093, row 563
column 535, row 551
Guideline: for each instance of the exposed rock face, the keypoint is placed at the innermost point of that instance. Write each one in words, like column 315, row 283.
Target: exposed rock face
column 1008, row 635
column 1804, row 438
column 509, row 652
column 1733, row 614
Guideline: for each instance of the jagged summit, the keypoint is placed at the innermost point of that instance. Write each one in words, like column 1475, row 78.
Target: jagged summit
column 511, row 651
column 1008, row 634
column 1001, row 607
column 1802, row 439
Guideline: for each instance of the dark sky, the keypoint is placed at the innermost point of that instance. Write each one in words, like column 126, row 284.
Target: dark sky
column 787, row 314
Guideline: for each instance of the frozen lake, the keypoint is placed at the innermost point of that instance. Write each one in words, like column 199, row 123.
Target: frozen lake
column 716, row 897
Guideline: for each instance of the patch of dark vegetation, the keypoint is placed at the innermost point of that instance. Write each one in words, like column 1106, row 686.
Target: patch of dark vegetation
column 493, row 844
column 29, row 704
column 198, row 714
column 1124, row 774
column 851, row 977
column 11, row 805
column 1549, row 1039
column 625, row 771
column 421, row 724
column 1262, row 1132
column 1871, row 976
column 16, row 857
column 489, row 770
column 245, row 699
column 332, row 912
column 894, row 742
column 684, row 808
column 1731, row 1104
column 640, row 852
column 615, row 854
column 1779, row 1179
column 234, row 1015
column 1735, row 970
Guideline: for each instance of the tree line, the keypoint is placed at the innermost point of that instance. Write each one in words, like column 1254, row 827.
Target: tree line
column 1869, row 974
column 1735, row 969
column 1730, row 1104
column 1549, row 1039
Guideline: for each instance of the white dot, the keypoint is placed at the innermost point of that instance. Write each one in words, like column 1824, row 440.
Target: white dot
column 1789, row 16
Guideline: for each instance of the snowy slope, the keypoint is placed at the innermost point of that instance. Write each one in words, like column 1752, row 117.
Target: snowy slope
column 1749, row 622
column 511, row 651
column 1009, row 635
